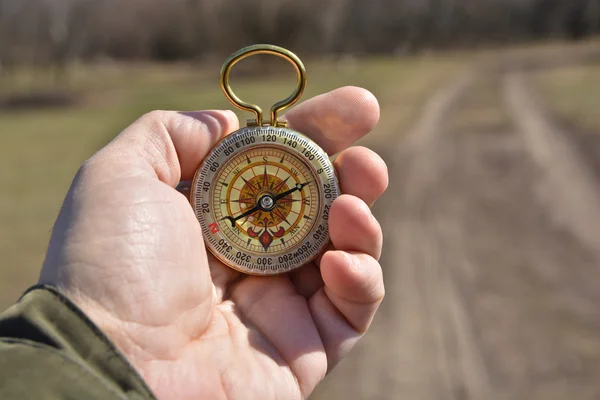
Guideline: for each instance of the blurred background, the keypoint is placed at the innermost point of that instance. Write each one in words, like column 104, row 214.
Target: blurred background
column 490, row 127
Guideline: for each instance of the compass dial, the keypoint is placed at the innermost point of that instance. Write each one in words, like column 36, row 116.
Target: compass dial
column 262, row 197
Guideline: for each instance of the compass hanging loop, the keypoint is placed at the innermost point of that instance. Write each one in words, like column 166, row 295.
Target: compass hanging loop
column 280, row 105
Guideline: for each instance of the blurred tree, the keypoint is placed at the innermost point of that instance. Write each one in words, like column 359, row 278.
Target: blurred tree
column 55, row 32
column 8, row 12
column 67, row 22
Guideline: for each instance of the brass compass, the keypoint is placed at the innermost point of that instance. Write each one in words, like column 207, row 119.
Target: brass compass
column 263, row 194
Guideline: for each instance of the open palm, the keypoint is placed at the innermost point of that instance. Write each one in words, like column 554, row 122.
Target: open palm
column 128, row 250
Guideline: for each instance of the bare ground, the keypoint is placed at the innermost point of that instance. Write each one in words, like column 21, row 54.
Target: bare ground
column 491, row 259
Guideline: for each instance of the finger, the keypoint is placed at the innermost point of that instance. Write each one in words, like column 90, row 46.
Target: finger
column 362, row 173
column 169, row 144
column 354, row 284
column 352, row 227
column 336, row 119
column 344, row 308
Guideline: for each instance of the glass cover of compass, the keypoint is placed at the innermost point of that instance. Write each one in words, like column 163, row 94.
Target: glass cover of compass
column 262, row 197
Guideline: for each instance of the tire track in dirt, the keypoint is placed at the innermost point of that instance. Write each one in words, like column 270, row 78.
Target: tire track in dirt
column 407, row 351
column 434, row 353
column 495, row 258
column 578, row 208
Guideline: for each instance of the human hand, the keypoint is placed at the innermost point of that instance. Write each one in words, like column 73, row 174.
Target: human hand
column 128, row 250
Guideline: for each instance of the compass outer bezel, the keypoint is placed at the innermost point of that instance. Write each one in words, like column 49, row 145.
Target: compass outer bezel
column 268, row 130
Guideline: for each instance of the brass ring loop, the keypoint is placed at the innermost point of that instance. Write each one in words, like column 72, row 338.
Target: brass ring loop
column 280, row 105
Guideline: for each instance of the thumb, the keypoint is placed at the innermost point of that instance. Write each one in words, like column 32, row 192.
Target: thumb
column 168, row 144
column 108, row 217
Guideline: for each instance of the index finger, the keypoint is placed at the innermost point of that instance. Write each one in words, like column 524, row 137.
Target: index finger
column 336, row 119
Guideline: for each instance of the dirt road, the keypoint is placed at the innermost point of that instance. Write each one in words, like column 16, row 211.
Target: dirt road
column 492, row 254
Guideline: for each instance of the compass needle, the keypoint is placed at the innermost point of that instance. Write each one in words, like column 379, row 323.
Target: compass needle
column 244, row 193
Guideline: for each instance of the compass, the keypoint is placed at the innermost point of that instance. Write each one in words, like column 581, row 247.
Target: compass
column 262, row 195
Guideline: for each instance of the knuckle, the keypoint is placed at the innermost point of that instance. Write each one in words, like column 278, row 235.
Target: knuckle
column 154, row 122
column 153, row 116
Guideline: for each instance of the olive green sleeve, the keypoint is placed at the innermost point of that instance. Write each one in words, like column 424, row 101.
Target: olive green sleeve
column 50, row 350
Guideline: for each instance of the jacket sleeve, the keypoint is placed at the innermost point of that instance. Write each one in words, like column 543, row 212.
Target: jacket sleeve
column 50, row 350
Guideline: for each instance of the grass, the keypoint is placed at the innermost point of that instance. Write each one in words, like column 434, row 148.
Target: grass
column 40, row 151
column 574, row 94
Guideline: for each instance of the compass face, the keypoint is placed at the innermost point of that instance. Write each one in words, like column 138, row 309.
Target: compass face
column 262, row 198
